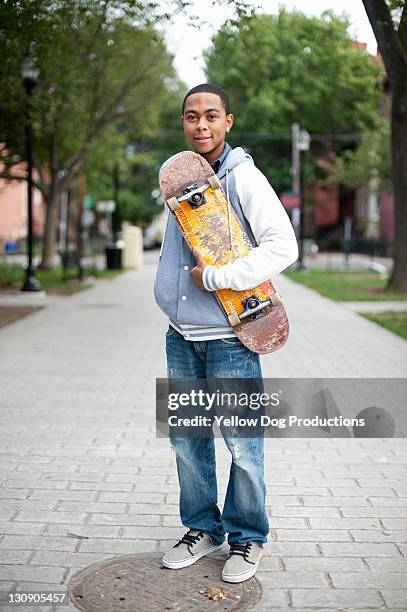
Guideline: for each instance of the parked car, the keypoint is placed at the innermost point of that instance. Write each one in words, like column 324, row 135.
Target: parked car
column 154, row 233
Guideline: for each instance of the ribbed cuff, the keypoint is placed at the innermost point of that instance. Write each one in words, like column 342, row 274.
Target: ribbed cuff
column 208, row 278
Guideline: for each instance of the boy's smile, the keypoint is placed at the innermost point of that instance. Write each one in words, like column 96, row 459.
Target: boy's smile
column 205, row 124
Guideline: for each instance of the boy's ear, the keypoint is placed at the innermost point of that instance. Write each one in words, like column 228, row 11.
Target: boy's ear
column 229, row 122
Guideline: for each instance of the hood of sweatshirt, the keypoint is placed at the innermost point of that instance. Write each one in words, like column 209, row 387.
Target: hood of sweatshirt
column 236, row 156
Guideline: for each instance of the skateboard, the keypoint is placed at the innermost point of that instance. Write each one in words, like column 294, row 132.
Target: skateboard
column 207, row 221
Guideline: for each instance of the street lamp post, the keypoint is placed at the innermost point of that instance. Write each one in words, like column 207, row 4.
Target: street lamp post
column 30, row 75
column 116, row 190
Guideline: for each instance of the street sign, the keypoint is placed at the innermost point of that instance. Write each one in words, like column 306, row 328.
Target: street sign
column 304, row 140
column 88, row 201
column 107, row 206
column 88, row 218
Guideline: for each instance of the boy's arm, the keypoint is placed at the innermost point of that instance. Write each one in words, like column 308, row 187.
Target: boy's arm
column 277, row 245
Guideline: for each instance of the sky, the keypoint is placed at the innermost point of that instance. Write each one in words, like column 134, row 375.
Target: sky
column 187, row 43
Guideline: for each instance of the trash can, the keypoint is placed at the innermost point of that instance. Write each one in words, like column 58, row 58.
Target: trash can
column 133, row 247
column 113, row 257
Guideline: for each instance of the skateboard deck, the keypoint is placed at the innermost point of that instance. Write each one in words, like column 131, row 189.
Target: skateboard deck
column 207, row 221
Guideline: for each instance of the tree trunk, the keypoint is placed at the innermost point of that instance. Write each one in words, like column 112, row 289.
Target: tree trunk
column 398, row 280
column 50, row 232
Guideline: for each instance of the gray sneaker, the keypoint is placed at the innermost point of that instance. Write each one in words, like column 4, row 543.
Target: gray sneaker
column 242, row 562
column 189, row 549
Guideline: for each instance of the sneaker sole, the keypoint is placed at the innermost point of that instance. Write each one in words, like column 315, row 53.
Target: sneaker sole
column 241, row 577
column 192, row 560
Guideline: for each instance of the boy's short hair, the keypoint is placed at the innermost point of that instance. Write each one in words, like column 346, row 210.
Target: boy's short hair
column 209, row 88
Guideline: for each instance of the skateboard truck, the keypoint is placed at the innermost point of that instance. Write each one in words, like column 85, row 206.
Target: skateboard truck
column 194, row 194
column 253, row 305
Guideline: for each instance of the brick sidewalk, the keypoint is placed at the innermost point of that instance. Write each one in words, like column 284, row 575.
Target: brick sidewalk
column 79, row 455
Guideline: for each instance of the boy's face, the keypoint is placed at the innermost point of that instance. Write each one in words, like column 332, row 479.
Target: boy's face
column 205, row 124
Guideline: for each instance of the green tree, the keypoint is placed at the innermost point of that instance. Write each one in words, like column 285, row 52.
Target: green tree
column 369, row 161
column 139, row 159
column 137, row 176
column 292, row 68
column 389, row 22
column 101, row 65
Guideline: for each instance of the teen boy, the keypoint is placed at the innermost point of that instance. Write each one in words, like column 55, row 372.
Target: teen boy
column 201, row 344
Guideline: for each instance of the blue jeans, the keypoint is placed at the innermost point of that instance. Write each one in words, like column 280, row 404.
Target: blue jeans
column 244, row 514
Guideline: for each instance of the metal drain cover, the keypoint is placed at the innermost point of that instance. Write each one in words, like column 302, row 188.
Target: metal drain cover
column 139, row 582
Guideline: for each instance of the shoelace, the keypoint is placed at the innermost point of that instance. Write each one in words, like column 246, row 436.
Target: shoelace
column 242, row 550
column 189, row 539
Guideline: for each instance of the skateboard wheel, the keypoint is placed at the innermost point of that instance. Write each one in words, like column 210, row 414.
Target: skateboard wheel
column 196, row 199
column 214, row 182
column 173, row 204
column 253, row 303
column 233, row 319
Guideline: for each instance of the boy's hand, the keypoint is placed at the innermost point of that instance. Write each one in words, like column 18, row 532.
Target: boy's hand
column 196, row 272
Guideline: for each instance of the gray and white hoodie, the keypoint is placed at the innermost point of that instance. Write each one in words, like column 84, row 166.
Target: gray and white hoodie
column 194, row 312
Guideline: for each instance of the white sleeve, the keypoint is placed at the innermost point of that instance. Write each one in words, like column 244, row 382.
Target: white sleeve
column 277, row 245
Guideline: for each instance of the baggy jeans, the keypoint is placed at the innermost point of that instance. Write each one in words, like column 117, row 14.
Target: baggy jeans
column 244, row 514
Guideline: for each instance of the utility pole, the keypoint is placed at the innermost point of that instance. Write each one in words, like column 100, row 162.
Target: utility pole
column 300, row 142
column 295, row 131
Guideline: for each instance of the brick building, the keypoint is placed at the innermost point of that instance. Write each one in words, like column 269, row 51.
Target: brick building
column 13, row 211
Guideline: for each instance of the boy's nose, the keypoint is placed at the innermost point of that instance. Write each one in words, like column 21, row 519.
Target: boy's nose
column 202, row 125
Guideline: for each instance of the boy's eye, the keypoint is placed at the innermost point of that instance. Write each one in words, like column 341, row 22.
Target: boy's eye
column 212, row 117
column 190, row 117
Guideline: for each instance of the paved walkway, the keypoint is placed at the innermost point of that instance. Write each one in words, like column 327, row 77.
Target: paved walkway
column 355, row 261
column 377, row 307
column 79, row 454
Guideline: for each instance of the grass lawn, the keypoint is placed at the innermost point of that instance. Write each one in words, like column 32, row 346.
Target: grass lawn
column 346, row 286
column 12, row 278
column 393, row 321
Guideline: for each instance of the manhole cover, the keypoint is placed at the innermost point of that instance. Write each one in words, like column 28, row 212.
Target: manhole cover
column 135, row 583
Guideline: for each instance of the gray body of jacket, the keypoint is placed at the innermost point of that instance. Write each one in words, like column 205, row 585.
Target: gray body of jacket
column 175, row 292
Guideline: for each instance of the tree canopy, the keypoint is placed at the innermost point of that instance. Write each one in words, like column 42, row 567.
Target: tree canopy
column 370, row 160
column 292, row 68
column 102, row 65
